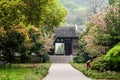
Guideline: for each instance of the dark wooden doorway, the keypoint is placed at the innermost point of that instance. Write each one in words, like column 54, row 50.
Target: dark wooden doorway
column 68, row 48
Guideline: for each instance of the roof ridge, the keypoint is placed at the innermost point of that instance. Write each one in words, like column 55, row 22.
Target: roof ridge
column 67, row 31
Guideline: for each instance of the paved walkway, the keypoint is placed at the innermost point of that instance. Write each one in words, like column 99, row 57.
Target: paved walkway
column 61, row 71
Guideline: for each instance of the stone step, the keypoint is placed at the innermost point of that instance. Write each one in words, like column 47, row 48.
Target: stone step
column 61, row 59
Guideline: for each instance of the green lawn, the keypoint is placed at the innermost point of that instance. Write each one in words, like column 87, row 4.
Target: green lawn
column 95, row 75
column 24, row 72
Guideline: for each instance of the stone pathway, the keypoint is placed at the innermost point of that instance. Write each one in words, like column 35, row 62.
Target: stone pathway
column 64, row 71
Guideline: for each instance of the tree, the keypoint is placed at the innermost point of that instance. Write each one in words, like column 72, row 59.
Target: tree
column 36, row 39
column 14, row 40
column 102, row 34
column 10, row 13
column 16, row 18
column 95, row 44
column 42, row 13
column 48, row 40
column 112, row 20
column 108, row 22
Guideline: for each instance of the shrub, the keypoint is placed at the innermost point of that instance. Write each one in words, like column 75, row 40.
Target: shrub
column 81, row 58
column 24, row 58
column 5, row 65
column 99, row 63
column 113, row 56
column 96, row 75
column 44, row 57
column 78, row 58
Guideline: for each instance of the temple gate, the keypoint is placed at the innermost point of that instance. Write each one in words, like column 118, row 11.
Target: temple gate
column 68, row 37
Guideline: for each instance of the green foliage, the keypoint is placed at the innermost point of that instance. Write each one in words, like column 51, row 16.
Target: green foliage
column 99, row 64
column 2, row 37
column 14, row 40
column 4, row 65
column 35, row 36
column 10, row 12
column 112, row 2
column 90, row 40
column 44, row 13
column 78, row 58
column 94, row 74
column 110, row 61
column 16, row 20
column 31, row 12
column 108, row 23
column 24, row 72
column 82, row 41
column 44, row 58
column 31, row 77
column 24, row 58
column 113, row 56
column 82, row 57
column 82, row 44
column 112, row 23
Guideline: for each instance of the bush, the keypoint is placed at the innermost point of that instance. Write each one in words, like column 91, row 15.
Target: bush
column 78, row 58
column 99, row 64
column 96, row 75
column 82, row 57
column 44, row 57
column 113, row 56
column 24, row 58
column 5, row 65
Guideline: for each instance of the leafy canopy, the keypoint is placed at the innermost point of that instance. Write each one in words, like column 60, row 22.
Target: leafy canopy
column 16, row 20
column 114, row 54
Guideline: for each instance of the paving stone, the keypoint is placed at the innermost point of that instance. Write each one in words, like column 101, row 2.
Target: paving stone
column 64, row 71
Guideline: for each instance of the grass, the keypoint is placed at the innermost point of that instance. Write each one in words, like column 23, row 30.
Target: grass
column 95, row 75
column 24, row 71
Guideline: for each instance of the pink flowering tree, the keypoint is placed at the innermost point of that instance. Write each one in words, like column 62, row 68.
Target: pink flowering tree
column 48, row 42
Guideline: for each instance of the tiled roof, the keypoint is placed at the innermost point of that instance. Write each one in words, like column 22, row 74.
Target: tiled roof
column 70, row 31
